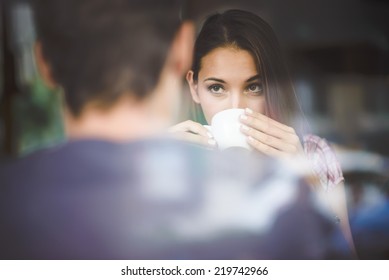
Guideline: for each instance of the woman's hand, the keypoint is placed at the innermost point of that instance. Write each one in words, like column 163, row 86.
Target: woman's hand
column 193, row 132
column 269, row 136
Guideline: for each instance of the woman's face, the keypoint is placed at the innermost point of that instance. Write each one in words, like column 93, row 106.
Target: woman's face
column 228, row 78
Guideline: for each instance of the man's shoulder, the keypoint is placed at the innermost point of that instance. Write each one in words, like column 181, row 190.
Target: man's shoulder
column 94, row 159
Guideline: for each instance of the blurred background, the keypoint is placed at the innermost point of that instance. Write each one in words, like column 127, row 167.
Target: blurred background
column 337, row 51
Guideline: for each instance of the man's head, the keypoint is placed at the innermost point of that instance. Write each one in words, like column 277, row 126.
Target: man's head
column 102, row 51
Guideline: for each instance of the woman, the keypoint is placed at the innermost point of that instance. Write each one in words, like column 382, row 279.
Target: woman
column 238, row 64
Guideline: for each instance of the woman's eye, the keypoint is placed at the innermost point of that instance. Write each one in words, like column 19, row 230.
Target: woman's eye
column 216, row 88
column 255, row 88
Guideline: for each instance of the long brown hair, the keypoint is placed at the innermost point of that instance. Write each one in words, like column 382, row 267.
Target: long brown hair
column 247, row 31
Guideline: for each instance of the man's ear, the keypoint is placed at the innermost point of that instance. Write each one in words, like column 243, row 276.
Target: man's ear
column 43, row 66
column 182, row 48
column 193, row 87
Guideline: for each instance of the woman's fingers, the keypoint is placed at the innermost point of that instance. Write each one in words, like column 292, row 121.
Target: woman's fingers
column 263, row 148
column 266, row 121
column 267, row 125
column 193, row 132
column 191, row 126
column 269, row 136
column 195, row 138
column 269, row 140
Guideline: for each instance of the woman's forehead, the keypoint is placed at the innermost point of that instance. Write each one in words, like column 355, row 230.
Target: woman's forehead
column 228, row 62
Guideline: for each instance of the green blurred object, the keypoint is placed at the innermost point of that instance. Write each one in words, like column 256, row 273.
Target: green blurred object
column 196, row 114
column 37, row 117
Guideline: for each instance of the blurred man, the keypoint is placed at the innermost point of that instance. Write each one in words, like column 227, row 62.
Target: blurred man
column 116, row 189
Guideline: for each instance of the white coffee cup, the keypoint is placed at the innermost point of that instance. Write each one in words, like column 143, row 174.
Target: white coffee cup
column 225, row 128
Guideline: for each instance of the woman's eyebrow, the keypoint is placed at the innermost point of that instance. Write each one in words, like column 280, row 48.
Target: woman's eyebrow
column 253, row 78
column 215, row 79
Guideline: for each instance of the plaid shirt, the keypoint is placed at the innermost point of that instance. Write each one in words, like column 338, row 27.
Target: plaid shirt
column 324, row 162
